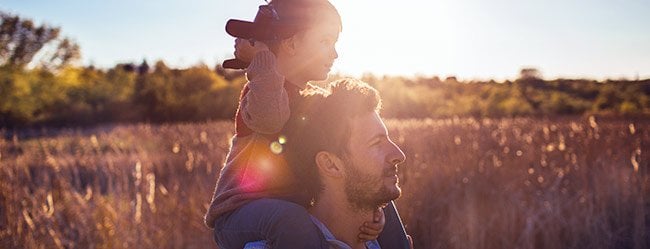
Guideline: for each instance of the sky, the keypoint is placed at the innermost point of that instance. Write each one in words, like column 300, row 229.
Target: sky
column 469, row 39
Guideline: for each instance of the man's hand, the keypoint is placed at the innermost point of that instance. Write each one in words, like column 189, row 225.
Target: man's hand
column 245, row 51
column 371, row 230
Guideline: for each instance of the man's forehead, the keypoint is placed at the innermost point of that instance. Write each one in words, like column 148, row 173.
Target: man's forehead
column 367, row 126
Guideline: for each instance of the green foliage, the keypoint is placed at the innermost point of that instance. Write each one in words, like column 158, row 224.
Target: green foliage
column 193, row 94
column 510, row 104
column 86, row 95
column 529, row 95
column 27, row 95
column 130, row 93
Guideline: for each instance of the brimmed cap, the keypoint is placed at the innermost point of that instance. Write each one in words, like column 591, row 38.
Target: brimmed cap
column 235, row 64
column 266, row 26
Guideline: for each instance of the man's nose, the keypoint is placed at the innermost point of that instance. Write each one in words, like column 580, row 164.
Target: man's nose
column 397, row 156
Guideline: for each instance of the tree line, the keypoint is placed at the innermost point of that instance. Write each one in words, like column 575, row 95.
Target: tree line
column 528, row 95
column 40, row 84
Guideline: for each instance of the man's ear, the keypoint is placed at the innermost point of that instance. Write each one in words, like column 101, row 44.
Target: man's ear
column 329, row 164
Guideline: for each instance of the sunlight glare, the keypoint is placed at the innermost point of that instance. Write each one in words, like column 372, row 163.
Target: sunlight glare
column 399, row 31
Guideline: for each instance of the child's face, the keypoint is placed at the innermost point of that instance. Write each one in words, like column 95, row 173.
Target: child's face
column 315, row 50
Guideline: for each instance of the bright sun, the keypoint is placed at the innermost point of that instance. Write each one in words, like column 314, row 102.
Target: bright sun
column 376, row 31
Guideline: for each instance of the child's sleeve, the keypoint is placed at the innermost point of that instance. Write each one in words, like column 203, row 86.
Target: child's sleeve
column 265, row 108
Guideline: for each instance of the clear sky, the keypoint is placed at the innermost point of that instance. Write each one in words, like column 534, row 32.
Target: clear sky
column 470, row 39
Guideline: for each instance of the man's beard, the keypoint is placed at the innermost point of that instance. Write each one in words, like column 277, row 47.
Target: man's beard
column 367, row 192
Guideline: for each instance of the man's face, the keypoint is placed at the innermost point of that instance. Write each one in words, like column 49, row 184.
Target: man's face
column 371, row 164
column 316, row 50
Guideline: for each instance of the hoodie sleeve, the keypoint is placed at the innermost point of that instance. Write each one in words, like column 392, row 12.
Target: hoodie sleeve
column 265, row 108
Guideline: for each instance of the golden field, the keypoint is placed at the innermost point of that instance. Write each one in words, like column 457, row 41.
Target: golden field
column 568, row 182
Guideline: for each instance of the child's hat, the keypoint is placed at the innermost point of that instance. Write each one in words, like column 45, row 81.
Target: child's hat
column 266, row 26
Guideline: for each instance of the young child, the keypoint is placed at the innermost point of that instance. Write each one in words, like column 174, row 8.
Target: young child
column 256, row 197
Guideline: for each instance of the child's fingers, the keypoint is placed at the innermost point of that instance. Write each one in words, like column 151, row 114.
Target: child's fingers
column 371, row 230
column 245, row 50
column 367, row 237
column 367, row 234
column 372, row 226
column 378, row 214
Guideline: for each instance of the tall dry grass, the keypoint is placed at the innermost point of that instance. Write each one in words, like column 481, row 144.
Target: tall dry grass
column 509, row 183
column 134, row 186
column 526, row 183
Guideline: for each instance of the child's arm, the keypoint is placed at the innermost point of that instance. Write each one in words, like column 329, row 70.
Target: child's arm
column 371, row 230
column 393, row 235
column 265, row 107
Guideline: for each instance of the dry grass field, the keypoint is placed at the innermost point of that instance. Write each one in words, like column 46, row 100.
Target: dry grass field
column 490, row 183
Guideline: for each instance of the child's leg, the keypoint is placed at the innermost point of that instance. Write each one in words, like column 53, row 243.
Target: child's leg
column 393, row 235
column 282, row 224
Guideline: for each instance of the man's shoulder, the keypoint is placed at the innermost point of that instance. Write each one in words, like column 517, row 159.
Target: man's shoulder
column 328, row 236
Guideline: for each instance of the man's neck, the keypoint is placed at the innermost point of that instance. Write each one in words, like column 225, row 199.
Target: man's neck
column 340, row 218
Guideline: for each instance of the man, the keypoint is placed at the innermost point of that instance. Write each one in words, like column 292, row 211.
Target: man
column 254, row 193
column 341, row 150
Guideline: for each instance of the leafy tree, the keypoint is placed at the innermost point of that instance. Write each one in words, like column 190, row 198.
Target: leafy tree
column 530, row 73
column 23, row 43
column 26, row 96
column 529, row 80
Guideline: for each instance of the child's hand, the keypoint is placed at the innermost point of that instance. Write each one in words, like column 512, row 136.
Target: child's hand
column 244, row 51
column 371, row 230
